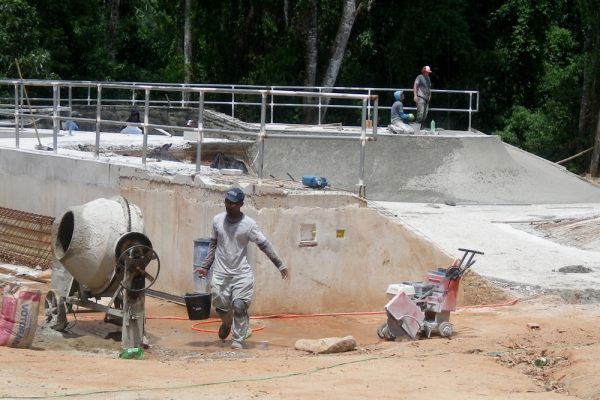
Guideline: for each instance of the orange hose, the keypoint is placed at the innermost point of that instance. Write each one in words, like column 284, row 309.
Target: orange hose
column 213, row 320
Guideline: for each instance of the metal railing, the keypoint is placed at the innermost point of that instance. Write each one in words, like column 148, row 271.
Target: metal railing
column 267, row 99
column 468, row 99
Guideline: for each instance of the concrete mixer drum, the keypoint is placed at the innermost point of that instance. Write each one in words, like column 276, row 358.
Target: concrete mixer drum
column 102, row 252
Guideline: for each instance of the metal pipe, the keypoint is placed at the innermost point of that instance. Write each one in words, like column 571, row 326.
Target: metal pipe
column 369, row 105
column 261, row 137
column 375, row 117
column 70, row 101
column 272, row 103
column 363, row 143
column 55, row 121
column 232, row 102
column 98, row 118
column 470, row 106
column 17, row 122
column 145, row 140
column 200, row 132
column 324, row 137
column 319, row 113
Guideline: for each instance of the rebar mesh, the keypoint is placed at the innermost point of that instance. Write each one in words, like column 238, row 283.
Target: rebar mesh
column 25, row 238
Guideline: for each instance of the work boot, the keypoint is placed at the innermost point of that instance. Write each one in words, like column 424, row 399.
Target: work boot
column 240, row 345
column 224, row 331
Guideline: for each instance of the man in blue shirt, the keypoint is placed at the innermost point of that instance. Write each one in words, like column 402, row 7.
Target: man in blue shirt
column 398, row 118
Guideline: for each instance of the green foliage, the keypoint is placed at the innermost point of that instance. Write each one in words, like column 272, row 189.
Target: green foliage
column 19, row 39
column 548, row 127
column 525, row 57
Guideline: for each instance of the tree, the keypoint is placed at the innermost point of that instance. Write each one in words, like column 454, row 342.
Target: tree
column 113, row 27
column 349, row 13
column 589, row 115
column 338, row 48
column 20, row 39
column 187, row 42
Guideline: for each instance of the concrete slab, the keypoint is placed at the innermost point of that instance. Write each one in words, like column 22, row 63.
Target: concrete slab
column 460, row 167
column 513, row 252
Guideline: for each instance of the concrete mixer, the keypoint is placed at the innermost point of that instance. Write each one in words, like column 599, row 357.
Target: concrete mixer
column 103, row 262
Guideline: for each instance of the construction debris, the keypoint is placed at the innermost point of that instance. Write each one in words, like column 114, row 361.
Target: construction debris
column 25, row 238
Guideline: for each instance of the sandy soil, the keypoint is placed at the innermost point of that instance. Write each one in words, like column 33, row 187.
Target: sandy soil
column 491, row 355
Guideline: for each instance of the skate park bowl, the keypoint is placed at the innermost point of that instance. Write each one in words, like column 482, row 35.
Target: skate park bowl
column 91, row 236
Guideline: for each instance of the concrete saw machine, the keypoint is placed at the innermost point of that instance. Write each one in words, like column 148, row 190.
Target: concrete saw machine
column 104, row 263
column 418, row 308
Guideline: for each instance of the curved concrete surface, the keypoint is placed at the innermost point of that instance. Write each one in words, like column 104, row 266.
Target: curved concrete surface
column 457, row 167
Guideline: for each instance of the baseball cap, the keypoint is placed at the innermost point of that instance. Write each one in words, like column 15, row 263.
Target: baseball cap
column 235, row 195
column 427, row 69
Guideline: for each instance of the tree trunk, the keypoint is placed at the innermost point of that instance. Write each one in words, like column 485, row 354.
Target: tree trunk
column 592, row 103
column 341, row 41
column 339, row 46
column 589, row 112
column 286, row 10
column 310, row 69
column 113, row 27
column 187, row 41
column 595, row 162
column 187, row 46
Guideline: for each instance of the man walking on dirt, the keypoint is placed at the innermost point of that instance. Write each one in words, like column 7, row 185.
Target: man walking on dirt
column 232, row 285
column 422, row 94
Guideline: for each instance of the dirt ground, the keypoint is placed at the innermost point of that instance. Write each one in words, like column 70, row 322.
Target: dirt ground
column 505, row 346
column 491, row 355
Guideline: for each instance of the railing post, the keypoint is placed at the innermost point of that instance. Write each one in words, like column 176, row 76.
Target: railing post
column 146, row 111
column 375, row 116
column 133, row 96
column 319, row 108
column 261, row 136
column 89, row 95
column 183, row 96
column 17, row 122
column 200, row 132
column 369, row 104
column 272, row 105
column 98, row 118
column 55, row 120
column 470, row 108
column 363, row 144
column 70, row 101
column 232, row 101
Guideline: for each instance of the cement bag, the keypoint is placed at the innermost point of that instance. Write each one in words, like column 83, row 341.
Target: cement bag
column 18, row 320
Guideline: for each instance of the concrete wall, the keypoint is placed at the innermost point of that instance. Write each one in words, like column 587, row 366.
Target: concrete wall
column 46, row 183
column 431, row 168
column 358, row 251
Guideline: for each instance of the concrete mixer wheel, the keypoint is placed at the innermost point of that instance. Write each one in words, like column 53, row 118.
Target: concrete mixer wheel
column 55, row 311
column 138, row 259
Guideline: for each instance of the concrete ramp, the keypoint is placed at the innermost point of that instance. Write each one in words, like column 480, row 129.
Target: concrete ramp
column 453, row 166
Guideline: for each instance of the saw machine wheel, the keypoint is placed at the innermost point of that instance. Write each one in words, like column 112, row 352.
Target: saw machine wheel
column 55, row 311
column 143, row 266
column 446, row 329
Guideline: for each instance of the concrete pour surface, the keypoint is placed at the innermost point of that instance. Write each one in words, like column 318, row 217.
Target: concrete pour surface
column 514, row 252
